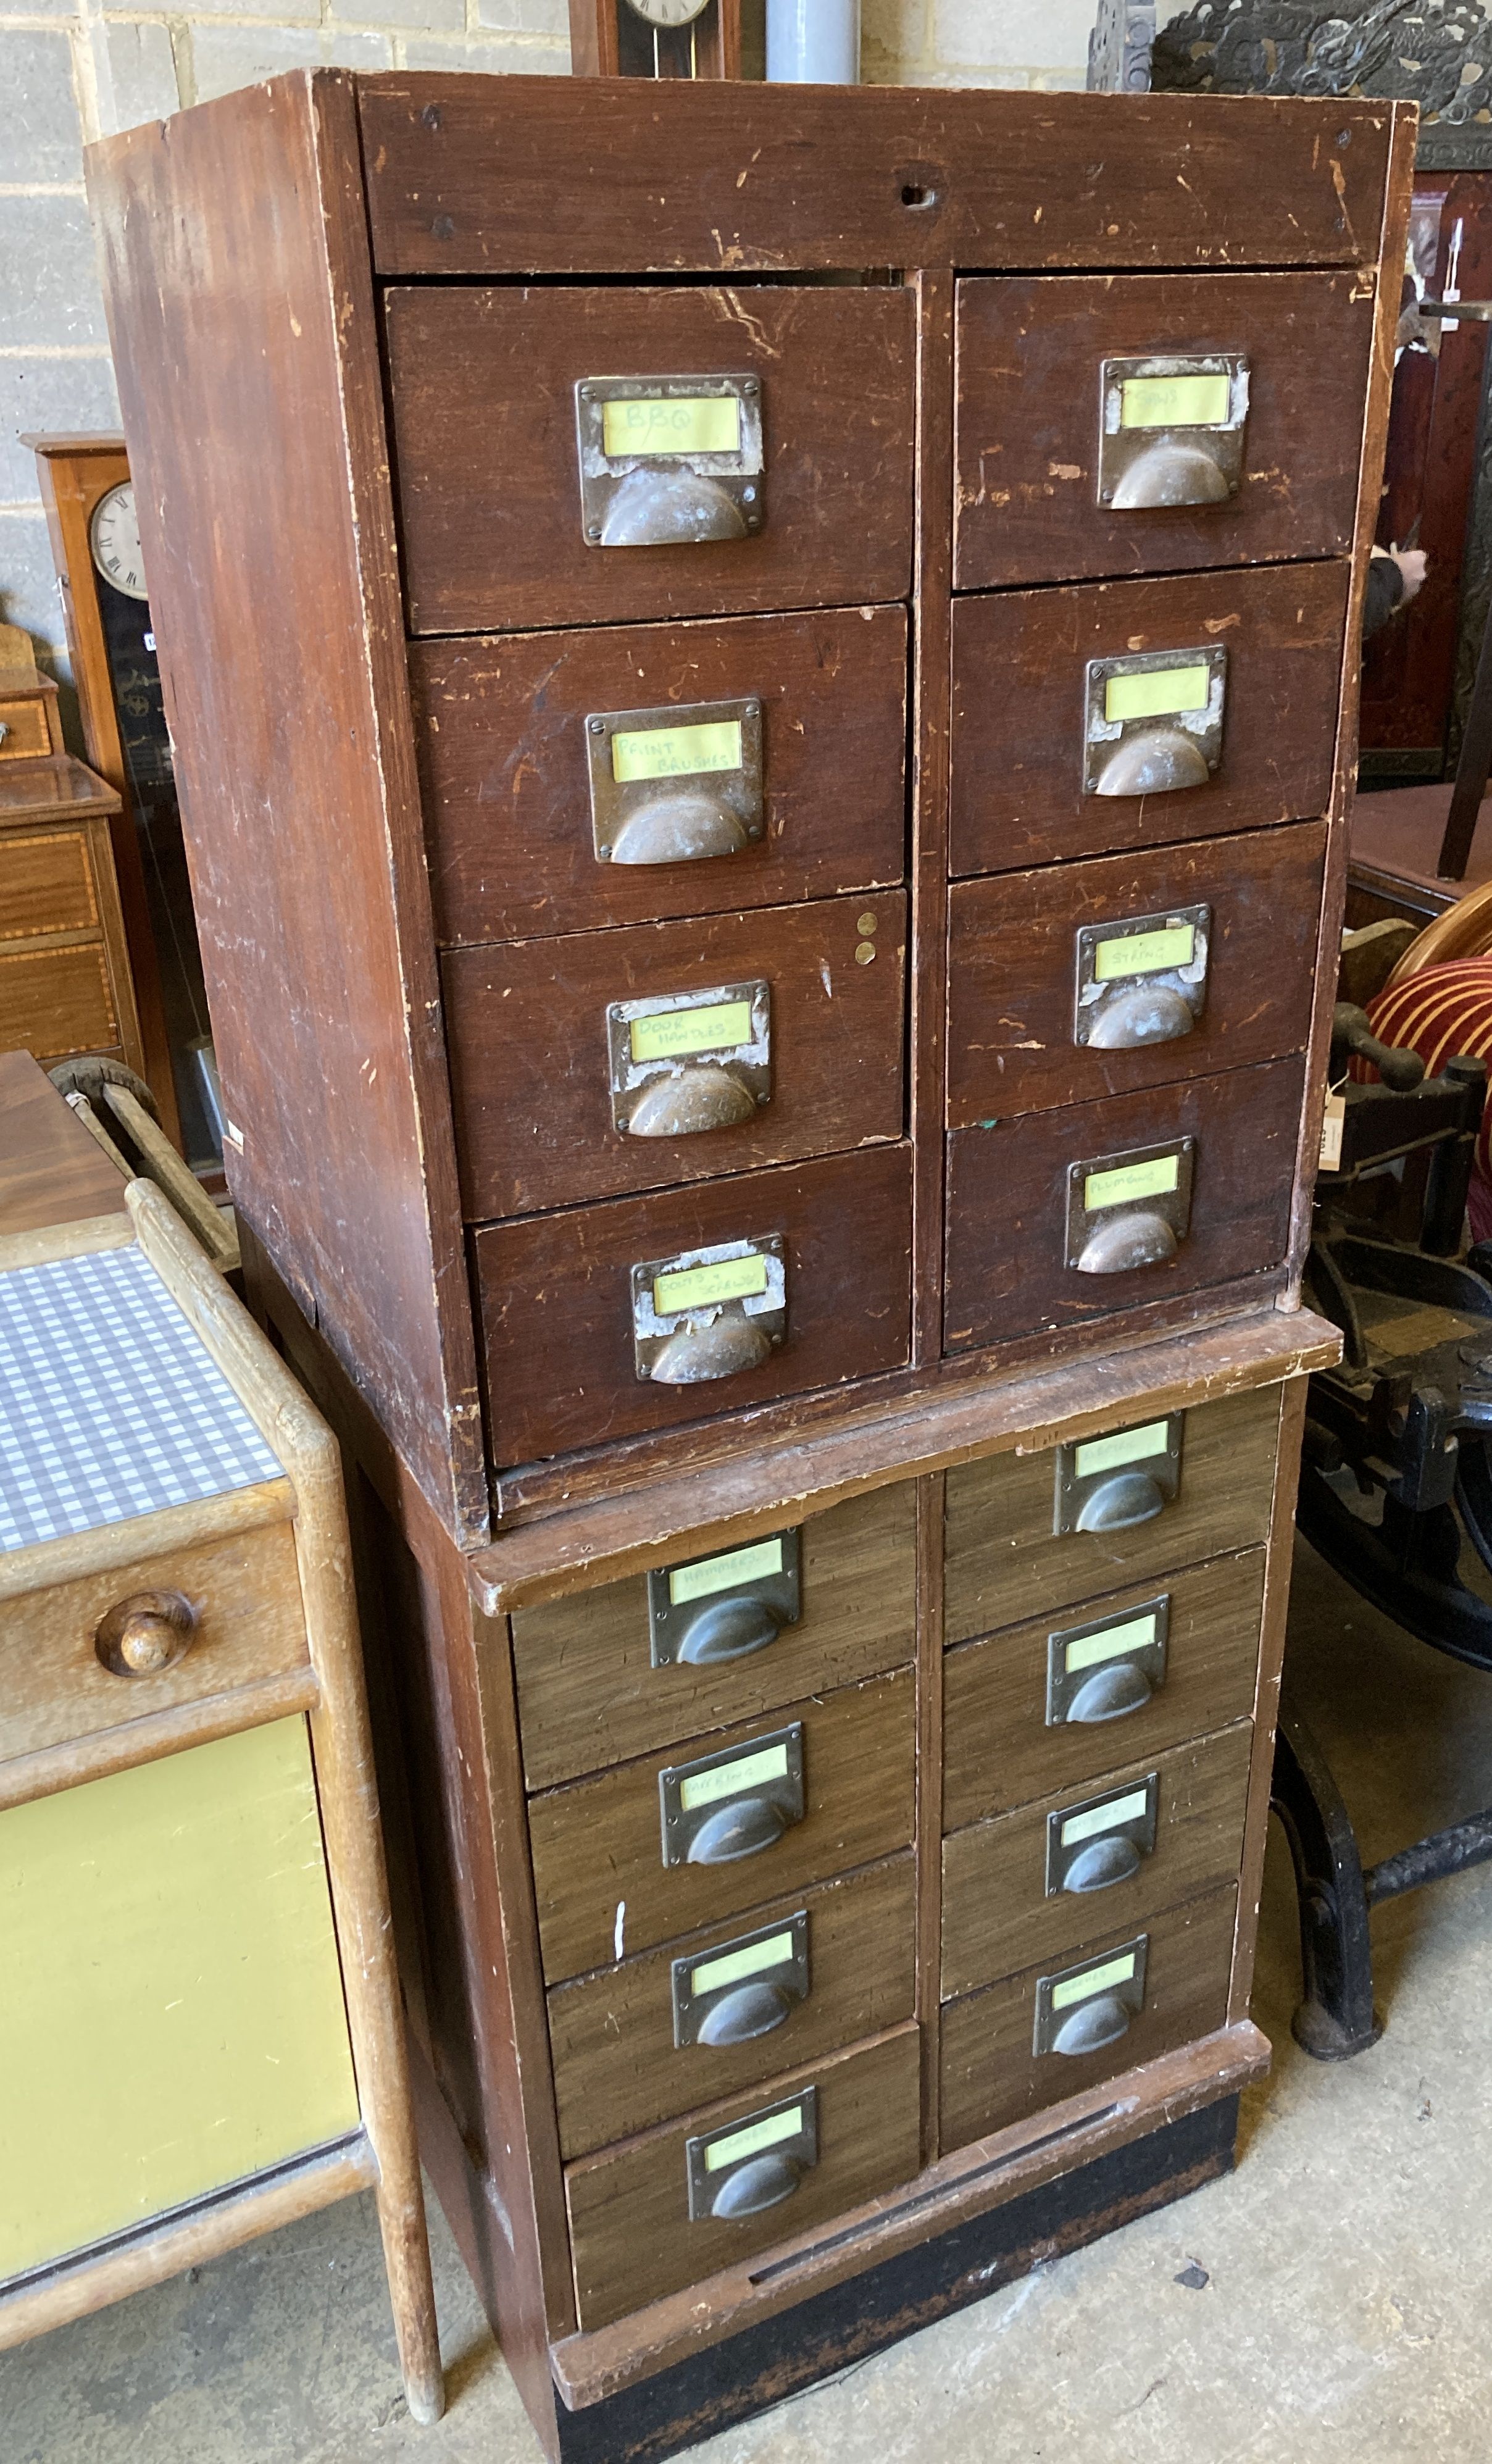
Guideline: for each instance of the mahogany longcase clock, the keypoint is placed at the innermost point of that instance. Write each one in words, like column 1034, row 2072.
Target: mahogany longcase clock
column 656, row 38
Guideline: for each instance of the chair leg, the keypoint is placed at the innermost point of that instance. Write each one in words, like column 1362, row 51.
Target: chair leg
column 1336, row 2018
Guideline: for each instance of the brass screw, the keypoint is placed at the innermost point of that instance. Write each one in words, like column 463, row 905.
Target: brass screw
column 866, row 923
column 865, row 952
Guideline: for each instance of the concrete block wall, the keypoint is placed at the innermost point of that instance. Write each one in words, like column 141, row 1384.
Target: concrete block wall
column 72, row 69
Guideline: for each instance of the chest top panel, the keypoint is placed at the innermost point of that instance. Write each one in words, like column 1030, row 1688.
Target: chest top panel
column 110, row 1406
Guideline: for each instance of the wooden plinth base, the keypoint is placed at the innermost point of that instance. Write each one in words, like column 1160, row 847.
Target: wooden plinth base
column 1395, row 839
column 762, row 2366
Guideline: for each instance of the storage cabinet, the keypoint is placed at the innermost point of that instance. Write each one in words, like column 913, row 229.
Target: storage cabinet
column 790, row 1172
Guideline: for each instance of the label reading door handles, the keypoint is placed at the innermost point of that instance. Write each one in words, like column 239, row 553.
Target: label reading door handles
column 1154, row 721
column 1082, row 2010
column 684, row 1063
column 1105, row 1669
column 725, row 1607
column 1113, row 1483
column 1092, row 1846
column 1128, row 1210
column 708, row 1313
column 1170, row 430
column 731, row 1805
column 669, row 461
column 1142, row 981
column 676, row 784
column 744, row 1990
column 754, row 2163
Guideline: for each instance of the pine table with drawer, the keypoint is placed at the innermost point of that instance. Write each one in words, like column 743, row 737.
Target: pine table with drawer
column 772, row 1016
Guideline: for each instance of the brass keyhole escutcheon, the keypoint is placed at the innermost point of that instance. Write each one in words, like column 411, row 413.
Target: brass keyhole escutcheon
column 144, row 1634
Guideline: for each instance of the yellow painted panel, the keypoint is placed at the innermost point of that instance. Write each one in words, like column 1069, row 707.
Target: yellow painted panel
column 172, row 2013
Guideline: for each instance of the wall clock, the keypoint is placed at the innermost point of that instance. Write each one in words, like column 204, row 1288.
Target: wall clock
column 90, row 502
column 656, row 38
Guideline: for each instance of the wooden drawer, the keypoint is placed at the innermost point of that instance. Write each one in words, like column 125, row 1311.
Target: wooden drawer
column 46, row 882
column 632, row 2231
column 484, row 393
column 1166, row 1830
column 1116, row 949
column 991, row 2075
column 1031, row 408
column 619, row 2066
column 25, row 733
column 590, row 1694
column 53, row 1688
column 1004, row 1559
column 556, row 1296
column 57, row 1000
column 506, row 761
column 798, row 1050
column 1021, row 761
column 602, row 1887
column 1002, row 1750
column 1009, row 1236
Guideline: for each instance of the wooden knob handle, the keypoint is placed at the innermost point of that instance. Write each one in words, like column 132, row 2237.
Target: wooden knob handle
column 141, row 1635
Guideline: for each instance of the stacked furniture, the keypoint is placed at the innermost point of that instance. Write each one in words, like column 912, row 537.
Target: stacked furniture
column 201, row 2037
column 770, row 1002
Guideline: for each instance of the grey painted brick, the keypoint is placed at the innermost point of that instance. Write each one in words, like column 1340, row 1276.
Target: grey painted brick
column 229, row 56
column 43, row 140
column 51, row 396
column 550, row 17
column 139, row 83
column 444, row 17
column 28, row 593
column 297, row 9
column 512, row 57
column 41, row 8
column 49, row 273
column 1020, row 33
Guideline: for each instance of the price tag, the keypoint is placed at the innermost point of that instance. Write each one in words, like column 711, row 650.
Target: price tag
column 738, row 1963
column 670, row 424
column 1156, row 692
column 1331, row 1124
column 1094, row 1980
column 1135, row 1634
column 1128, row 1447
column 708, row 1575
column 1096, row 1820
column 676, row 751
column 1176, row 402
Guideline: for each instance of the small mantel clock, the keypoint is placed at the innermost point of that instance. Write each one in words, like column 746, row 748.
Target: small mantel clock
column 656, row 38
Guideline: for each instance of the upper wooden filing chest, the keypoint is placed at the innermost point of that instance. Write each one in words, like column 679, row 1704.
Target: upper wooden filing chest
column 791, row 655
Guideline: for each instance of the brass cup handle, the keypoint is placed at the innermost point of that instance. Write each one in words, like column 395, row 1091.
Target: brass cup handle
column 763, row 2182
column 654, row 507
column 1121, row 1502
column 1093, row 2026
column 1125, row 1241
column 1111, row 1693
column 1101, row 1864
column 1172, row 472
column 751, row 2011
column 686, row 827
column 147, row 1632
column 728, row 1629
column 687, row 1102
column 696, row 1355
column 742, row 1828
column 1153, row 762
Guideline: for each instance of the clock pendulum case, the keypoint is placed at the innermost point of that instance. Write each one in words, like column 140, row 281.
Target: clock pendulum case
column 656, row 38
column 86, row 487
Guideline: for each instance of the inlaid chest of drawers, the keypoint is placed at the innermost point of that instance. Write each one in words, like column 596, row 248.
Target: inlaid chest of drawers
column 769, row 1002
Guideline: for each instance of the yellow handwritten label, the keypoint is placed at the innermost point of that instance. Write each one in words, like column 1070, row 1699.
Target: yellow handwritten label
column 1156, row 692
column 737, row 1964
column 751, row 2141
column 1098, row 1980
column 716, row 1026
column 1144, row 953
column 732, row 1279
column 710, row 1575
column 730, row 1779
column 683, row 424
column 1176, row 402
column 1126, row 1447
column 676, row 751
column 1136, row 1633
column 1124, row 1182
column 1098, row 1818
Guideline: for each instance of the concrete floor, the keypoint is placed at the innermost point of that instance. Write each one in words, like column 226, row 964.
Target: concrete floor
column 1343, row 2318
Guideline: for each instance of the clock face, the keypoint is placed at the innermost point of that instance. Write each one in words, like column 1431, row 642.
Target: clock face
column 114, row 537
column 667, row 12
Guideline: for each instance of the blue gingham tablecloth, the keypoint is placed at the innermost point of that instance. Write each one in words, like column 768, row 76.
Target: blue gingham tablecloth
column 110, row 1405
